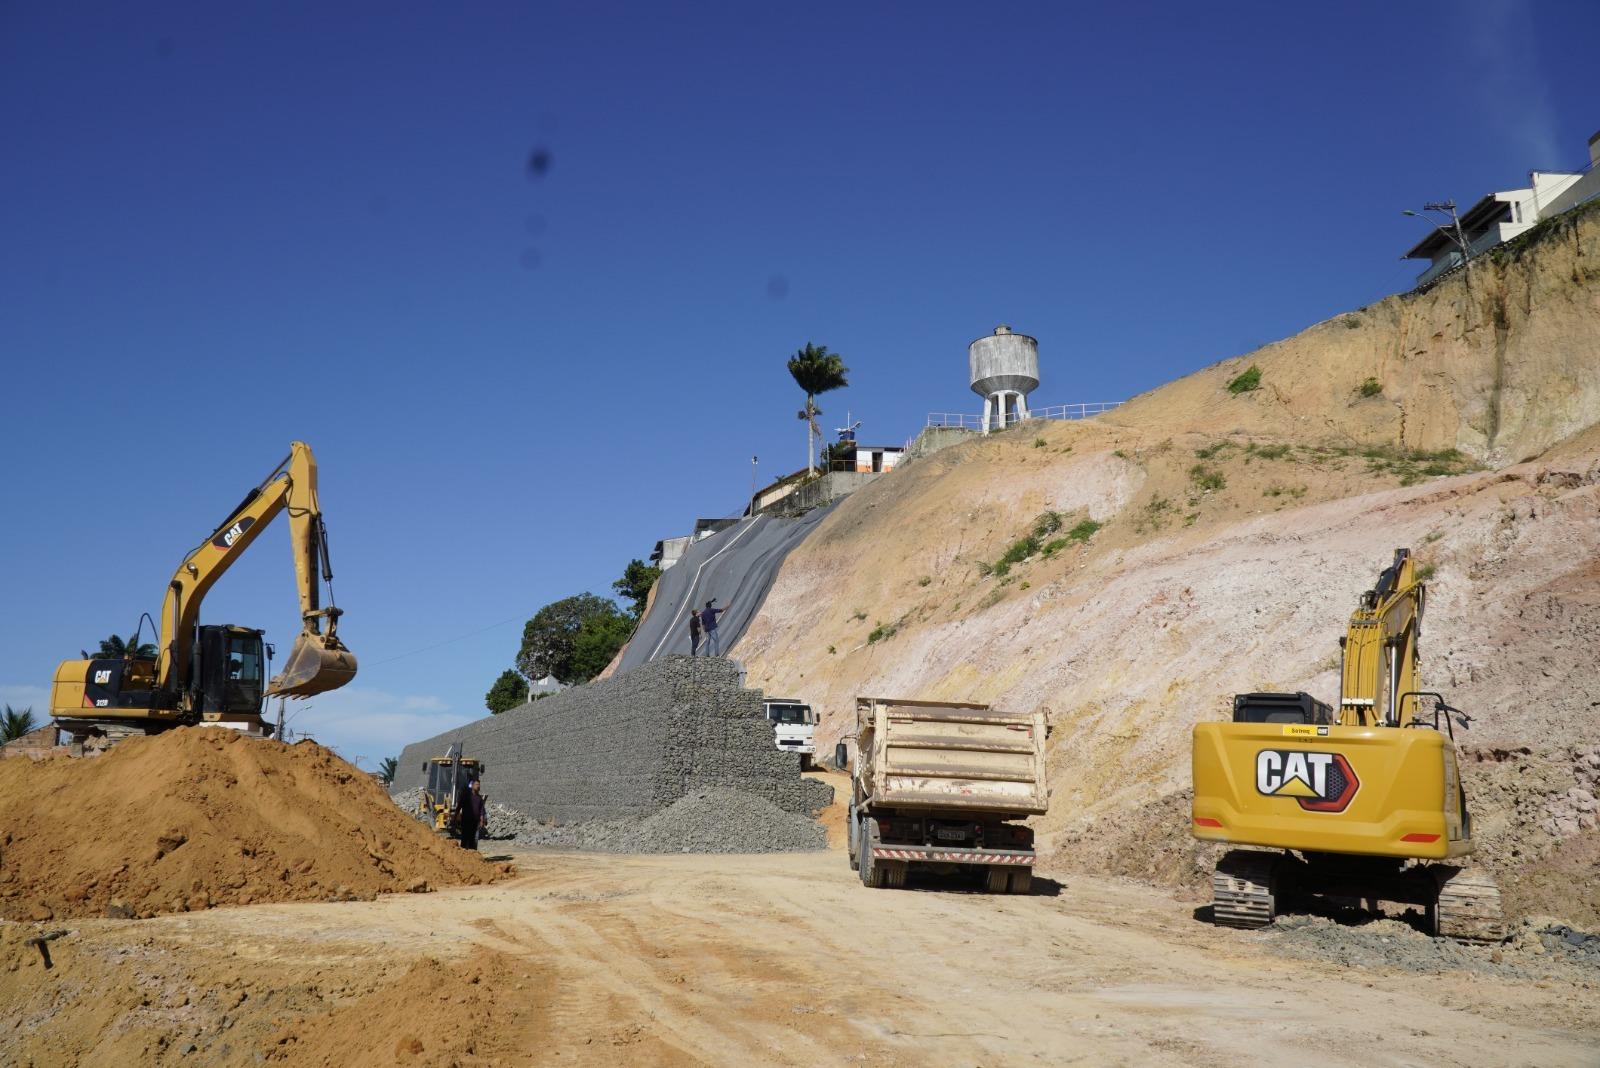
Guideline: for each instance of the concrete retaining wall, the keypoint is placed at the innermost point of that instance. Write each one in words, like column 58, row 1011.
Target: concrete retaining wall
column 629, row 745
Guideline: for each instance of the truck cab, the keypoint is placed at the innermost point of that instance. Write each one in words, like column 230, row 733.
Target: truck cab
column 794, row 727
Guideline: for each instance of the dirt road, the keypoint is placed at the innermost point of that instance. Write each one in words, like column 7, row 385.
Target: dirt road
column 742, row 960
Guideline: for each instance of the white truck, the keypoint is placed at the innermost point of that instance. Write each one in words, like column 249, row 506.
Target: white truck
column 941, row 786
column 794, row 726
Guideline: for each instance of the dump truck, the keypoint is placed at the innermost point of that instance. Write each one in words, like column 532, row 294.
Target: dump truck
column 942, row 786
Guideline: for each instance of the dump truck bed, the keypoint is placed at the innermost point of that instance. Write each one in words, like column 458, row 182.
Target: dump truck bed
column 933, row 755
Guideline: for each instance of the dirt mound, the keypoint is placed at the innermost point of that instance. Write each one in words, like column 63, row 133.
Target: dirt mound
column 203, row 816
column 435, row 1014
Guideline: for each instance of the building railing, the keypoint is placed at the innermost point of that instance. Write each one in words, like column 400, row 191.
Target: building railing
column 968, row 421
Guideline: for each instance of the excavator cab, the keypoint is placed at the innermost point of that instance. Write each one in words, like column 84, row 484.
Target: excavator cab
column 228, row 669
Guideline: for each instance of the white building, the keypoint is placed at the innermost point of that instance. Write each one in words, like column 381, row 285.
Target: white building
column 669, row 550
column 1499, row 217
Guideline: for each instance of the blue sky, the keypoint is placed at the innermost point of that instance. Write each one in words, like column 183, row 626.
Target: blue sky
column 230, row 226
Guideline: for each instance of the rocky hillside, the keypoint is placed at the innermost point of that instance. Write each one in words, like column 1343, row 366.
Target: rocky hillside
column 1128, row 574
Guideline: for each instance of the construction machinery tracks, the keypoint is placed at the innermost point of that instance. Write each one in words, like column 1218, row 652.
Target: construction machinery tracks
column 1250, row 887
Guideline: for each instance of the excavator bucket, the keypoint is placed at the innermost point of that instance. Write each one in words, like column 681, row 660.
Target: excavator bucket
column 317, row 663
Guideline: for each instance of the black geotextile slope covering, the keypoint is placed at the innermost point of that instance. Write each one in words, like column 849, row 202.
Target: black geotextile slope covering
column 736, row 566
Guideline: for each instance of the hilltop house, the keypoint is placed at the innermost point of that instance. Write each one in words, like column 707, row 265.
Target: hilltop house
column 1499, row 217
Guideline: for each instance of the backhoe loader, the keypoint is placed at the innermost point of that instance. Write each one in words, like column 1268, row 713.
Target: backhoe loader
column 1364, row 804
column 445, row 779
column 213, row 673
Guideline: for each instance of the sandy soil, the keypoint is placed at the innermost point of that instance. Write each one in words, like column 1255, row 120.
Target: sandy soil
column 741, row 960
column 201, row 816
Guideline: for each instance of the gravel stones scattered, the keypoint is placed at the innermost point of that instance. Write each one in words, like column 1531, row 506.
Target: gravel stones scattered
column 705, row 821
column 1536, row 948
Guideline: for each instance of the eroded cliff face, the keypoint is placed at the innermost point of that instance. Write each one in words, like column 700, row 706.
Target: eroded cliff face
column 1501, row 363
column 1206, row 544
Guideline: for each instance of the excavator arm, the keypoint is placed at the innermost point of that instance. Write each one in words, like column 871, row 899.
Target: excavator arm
column 319, row 661
column 1380, row 648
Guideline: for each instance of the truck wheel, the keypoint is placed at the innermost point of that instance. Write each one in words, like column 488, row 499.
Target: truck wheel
column 850, row 830
column 895, row 874
column 995, row 880
column 1021, row 880
column 867, row 866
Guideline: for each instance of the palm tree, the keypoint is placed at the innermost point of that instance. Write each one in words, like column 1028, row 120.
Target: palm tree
column 114, row 648
column 386, row 769
column 816, row 370
column 14, row 724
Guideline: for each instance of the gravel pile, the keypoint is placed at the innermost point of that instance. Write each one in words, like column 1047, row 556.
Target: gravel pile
column 408, row 800
column 702, row 821
column 1536, row 948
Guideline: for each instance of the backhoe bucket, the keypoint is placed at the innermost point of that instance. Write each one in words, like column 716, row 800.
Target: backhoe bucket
column 317, row 663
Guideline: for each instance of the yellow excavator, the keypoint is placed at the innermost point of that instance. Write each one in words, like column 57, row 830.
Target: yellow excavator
column 1362, row 804
column 213, row 673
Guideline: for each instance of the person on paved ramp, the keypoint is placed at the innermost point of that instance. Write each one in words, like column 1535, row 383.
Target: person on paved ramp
column 708, row 623
column 472, row 816
column 694, row 633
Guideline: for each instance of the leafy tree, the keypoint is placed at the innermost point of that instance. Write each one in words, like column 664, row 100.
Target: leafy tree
column 549, row 639
column 14, row 723
column 114, row 648
column 635, row 583
column 386, row 769
column 598, row 641
column 508, row 691
column 816, row 370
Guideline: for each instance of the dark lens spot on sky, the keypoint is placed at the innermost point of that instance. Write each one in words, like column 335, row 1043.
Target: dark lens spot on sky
column 538, row 163
column 531, row 259
column 777, row 287
column 536, row 224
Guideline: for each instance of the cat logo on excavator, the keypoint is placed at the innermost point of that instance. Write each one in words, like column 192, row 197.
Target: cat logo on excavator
column 1319, row 781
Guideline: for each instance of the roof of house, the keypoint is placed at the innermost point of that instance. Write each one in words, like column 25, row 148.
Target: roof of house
column 1476, row 219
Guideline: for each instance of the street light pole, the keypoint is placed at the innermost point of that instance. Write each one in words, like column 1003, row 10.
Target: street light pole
column 1460, row 239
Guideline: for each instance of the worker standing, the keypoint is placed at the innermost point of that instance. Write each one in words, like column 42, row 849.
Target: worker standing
column 472, row 816
column 694, row 633
column 708, row 623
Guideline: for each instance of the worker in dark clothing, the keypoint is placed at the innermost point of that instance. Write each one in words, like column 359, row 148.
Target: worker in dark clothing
column 694, row 633
column 471, row 816
column 708, row 623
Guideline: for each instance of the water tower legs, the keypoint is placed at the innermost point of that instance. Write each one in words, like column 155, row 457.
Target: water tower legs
column 1004, row 408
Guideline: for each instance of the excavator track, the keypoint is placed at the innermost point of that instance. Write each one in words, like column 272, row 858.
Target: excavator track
column 1469, row 906
column 1244, row 888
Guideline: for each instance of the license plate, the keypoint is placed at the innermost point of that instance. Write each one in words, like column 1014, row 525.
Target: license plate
column 946, row 834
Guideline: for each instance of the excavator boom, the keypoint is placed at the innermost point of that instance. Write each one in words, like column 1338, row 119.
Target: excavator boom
column 318, row 661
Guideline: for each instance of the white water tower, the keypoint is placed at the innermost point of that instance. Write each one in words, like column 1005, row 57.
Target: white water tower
column 1005, row 369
